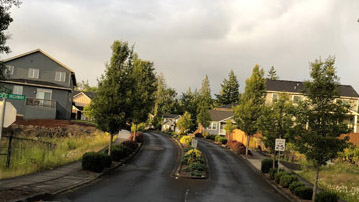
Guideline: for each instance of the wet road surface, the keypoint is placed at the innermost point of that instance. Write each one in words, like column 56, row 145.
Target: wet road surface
column 147, row 178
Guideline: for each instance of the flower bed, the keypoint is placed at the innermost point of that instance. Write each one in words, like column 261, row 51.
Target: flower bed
column 193, row 164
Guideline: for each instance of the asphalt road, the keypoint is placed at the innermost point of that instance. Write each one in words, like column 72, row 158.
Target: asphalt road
column 147, row 178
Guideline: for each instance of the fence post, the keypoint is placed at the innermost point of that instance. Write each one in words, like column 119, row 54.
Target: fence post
column 9, row 149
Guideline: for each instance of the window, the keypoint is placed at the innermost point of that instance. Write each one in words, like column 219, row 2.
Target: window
column 214, row 126
column 17, row 90
column 60, row 76
column 33, row 73
column 297, row 99
column 275, row 97
column 9, row 70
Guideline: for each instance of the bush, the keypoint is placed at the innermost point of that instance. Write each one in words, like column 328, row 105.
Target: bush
column 93, row 161
column 139, row 137
column 238, row 148
column 130, row 144
column 224, row 140
column 107, row 160
column 217, row 138
column 196, row 151
column 286, row 180
column 326, row 197
column 304, row 192
column 119, row 152
column 294, row 185
column 272, row 173
column 186, row 140
column 211, row 137
column 197, row 166
column 266, row 165
column 278, row 175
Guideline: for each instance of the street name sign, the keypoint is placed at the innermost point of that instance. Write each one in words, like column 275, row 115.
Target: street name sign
column 12, row 96
column 10, row 114
column 194, row 143
column 279, row 144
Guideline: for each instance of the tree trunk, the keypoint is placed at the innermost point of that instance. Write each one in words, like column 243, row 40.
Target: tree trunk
column 247, row 147
column 134, row 134
column 110, row 145
column 315, row 183
column 273, row 158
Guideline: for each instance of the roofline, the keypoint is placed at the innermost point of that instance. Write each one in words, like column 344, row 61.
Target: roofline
column 297, row 93
column 83, row 94
column 43, row 52
column 38, row 85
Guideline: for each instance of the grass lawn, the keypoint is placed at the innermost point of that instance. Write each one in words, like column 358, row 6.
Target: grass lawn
column 32, row 156
column 341, row 178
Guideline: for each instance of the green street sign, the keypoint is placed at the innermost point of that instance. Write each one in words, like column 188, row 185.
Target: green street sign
column 12, row 96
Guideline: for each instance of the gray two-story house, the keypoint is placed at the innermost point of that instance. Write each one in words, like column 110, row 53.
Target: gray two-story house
column 46, row 83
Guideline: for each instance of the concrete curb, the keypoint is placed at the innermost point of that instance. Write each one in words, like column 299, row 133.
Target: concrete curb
column 42, row 195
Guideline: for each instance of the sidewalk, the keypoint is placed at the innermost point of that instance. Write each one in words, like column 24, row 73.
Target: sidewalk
column 47, row 182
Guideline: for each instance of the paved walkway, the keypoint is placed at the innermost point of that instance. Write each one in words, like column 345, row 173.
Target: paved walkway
column 50, row 181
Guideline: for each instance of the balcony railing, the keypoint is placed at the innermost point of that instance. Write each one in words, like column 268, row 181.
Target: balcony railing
column 40, row 102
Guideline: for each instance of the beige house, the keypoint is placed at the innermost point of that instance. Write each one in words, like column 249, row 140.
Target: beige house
column 80, row 100
column 295, row 91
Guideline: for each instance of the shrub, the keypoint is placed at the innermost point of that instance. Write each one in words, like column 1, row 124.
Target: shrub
column 93, row 161
column 119, row 152
column 266, row 165
column 197, row 166
column 224, row 140
column 186, row 140
column 217, row 138
column 139, row 137
column 278, row 175
column 326, row 197
column 196, row 173
column 304, row 192
column 272, row 173
column 238, row 148
column 286, row 180
column 294, row 185
column 196, row 151
column 107, row 160
column 132, row 145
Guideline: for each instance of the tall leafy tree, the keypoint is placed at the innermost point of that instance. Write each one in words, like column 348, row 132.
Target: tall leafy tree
column 249, row 110
column 184, row 122
column 230, row 90
column 319, row 120
column 272, row 74
column 205, row 103
column 144, row 88
column 85, row 86
column 276, row 122
column 189, row 102
column 111, row 108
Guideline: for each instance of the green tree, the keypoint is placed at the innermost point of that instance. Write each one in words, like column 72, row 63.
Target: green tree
column 205, row 102
column 5, row 20
column 319, row 120
column 143, row 93
column 229, row 127
column 85, row 86
column 189, row 102
column 230, row 90
column 276, row 122
column 184, row 123
column 272, row 74
column 249, row 110
column 111, row 108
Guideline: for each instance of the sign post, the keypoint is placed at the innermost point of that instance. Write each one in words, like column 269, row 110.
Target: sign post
column 279, row 146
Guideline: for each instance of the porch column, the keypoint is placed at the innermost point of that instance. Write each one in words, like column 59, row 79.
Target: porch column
column 355, row 123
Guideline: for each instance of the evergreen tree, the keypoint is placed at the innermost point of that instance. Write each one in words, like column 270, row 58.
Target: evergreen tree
column 229, row 92
column 320, row 119
column 249, row 110
column 205, row 103
column 111, row 108
column 189, row 102
column 272, row 74
column 184, row 123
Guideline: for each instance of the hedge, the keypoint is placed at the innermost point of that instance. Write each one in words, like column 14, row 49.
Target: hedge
column 267, row 164
column 95, row 162
column 278, row 175
column 286, row 180
column 326, row 197
column 304, row 192
column 132, row 145
column 294, row 185
column 119, row 152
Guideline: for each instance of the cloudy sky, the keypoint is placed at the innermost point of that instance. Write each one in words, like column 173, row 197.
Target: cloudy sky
column 188, row 39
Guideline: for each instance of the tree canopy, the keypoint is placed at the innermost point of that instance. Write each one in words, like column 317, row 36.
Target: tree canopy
column 230, row 90
column 272, row 74
column 204, row 104
column 184, row 122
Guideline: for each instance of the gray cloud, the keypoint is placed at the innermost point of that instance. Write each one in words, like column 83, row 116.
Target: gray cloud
column 189, row 39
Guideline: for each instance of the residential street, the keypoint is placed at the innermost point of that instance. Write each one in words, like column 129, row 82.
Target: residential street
column 147, row 178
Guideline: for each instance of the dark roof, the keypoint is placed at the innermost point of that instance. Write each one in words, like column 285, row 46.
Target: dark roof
column 228, row 106
column 298, row 87
column 91, row 95
column 35, row 82
column 217, row 115
column 170, row 116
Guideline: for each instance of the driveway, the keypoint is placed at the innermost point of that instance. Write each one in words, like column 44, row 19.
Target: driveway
column 147, row 178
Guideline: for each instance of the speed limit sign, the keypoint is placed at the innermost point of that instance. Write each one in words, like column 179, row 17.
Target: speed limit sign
column 279, row 144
